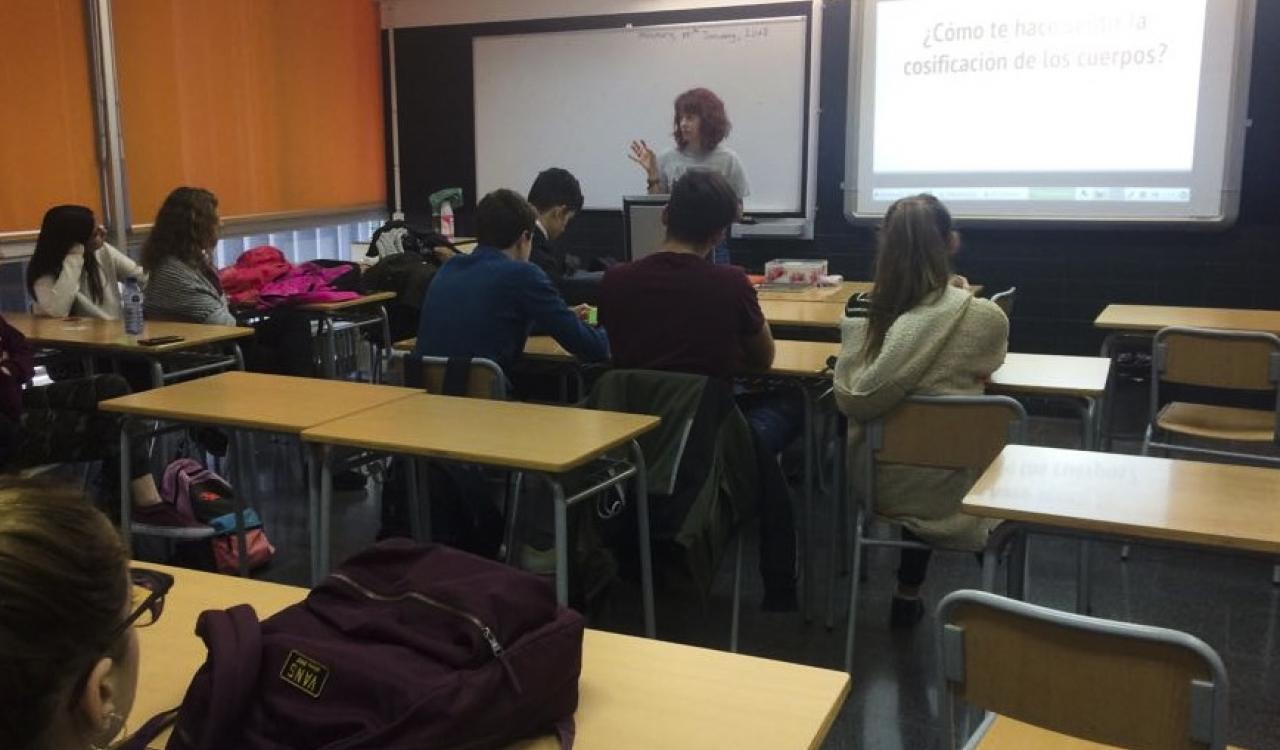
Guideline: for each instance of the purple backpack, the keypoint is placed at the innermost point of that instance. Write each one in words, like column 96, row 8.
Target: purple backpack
column 404, row 646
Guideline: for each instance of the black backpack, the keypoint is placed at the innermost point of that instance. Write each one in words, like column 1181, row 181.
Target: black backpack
column 413, row 239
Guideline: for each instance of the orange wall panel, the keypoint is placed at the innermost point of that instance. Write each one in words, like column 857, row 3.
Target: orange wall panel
column 274, row 105
column 48, row 153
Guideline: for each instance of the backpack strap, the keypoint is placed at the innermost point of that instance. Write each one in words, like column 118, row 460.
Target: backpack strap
column 142, row 739
column 566, row 732
column 220, row 692
column 456, row 373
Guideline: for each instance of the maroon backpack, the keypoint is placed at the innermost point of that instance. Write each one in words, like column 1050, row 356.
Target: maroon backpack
column 404, row 646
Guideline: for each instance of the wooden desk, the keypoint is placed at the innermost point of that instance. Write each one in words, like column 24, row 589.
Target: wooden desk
column 634, row 693
column 802, row 314
column 1051, row 375
column 107, row 337
column 332, row 307
column 253, row 401
column 1154, row 317
column 505, row 434
column 1138, row 497
column 549, row 440
column 839, row 293
column 1081, row 380
column 325, row 314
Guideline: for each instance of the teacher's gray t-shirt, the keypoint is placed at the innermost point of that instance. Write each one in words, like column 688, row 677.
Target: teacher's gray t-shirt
column 674, row 163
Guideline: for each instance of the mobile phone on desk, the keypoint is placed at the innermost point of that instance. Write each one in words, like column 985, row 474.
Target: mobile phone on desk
column 159, row 340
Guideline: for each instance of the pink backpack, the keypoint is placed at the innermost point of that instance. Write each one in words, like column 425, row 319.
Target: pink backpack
column 203, row 497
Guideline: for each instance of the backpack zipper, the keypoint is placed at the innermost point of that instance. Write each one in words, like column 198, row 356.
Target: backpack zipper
column 485, row 631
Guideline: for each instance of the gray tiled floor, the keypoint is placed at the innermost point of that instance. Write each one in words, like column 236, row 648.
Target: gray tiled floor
column 1227, row 601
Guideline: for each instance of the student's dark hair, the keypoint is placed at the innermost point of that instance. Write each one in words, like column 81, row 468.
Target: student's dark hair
column 702, row 204
column 63, row 591
column 913, row 262
column 502, row 217
column 185, row 226
column 714, row 122
column 62, row 228
column 556, row 187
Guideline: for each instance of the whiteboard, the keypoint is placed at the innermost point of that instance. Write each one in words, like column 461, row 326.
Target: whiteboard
column 576, row 99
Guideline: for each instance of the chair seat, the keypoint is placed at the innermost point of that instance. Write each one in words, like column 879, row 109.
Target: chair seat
column 1218, row 422
column 1007, row 734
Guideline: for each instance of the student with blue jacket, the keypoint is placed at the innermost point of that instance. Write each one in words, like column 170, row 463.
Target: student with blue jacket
column 483, row 304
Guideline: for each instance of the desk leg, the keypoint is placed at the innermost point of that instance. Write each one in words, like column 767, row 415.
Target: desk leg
column 315, row 456
column 562, row 541
column 382, row 361
column 330, row 348
column 996, row 543
column 157, row 372
column 839, row 511
column 320, row 520
column 806, row 539
column 239, row 355
column 419, row 498
column 126, row 499
column 646, row 551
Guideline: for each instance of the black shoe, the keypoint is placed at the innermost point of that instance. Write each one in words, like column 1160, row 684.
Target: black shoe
column 905, row 612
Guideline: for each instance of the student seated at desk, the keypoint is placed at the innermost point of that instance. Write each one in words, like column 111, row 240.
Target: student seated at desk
column 178, row 252
column 557, row 197
column 73, row 271
column 60, row 422
column 184, row 284
column 924, row 334
column 675, row 310
column 483, row 304
column 68, row 650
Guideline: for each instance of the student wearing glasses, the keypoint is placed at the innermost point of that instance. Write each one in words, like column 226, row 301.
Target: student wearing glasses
column 68, row 609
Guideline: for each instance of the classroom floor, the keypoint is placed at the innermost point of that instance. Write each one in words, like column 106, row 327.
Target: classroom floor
column 1227, row 601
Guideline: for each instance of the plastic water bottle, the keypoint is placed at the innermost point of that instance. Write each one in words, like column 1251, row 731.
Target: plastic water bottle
column 132, row 307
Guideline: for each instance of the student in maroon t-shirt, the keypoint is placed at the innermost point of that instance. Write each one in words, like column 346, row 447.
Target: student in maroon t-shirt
column 675, row 310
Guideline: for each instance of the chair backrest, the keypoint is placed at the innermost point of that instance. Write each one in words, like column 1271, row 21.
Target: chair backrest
column 1234, row 360
column 1005, row 300
column 1131, row 686
column 945, row 432
column 482, row 378
column 1239, row 360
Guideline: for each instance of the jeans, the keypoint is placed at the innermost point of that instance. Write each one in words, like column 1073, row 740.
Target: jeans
column 776, row 418
column 61, row 423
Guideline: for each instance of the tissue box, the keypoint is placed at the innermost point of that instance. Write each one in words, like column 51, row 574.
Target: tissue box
column 794, row 272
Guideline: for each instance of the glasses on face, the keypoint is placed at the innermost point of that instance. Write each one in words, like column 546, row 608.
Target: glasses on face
column 148, row 590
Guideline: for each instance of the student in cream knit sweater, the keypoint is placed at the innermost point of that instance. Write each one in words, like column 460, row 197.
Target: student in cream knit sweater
column 924, row 333
column 73, row 271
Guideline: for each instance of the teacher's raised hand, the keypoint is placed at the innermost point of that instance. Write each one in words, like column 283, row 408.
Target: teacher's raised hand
column 643, row 155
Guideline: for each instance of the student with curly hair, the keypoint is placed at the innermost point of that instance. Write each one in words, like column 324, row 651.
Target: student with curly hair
column 701, row 125
column 184, row 284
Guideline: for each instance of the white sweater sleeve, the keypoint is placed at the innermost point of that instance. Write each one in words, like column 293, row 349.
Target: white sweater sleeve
column 125, row 266
column 55, row 297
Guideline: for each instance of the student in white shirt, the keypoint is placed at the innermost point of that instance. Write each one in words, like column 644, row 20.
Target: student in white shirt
column 73, row 271
column 701, row 125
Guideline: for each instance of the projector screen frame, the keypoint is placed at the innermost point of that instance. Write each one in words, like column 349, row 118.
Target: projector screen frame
column 1238, row 124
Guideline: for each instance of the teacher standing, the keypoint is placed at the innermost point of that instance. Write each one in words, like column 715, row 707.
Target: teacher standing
column 701, row 125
